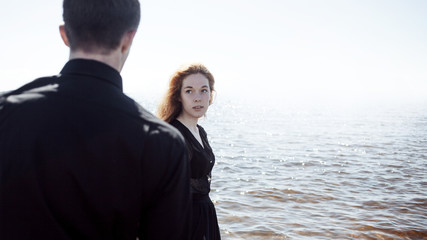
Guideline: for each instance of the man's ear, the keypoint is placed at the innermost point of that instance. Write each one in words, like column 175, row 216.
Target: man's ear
column 64, row 35
column 127, row 40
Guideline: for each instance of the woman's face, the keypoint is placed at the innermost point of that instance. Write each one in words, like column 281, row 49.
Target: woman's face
column 195, row 96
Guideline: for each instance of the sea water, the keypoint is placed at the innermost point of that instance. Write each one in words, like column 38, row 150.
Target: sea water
column 319, row 171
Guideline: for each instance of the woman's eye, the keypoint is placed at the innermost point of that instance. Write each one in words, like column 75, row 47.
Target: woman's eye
column 205, row 91
column 188, row 91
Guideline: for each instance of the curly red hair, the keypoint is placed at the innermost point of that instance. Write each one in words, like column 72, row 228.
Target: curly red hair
column 170, row 107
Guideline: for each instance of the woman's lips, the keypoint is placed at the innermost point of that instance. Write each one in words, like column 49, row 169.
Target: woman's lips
column 198, row 107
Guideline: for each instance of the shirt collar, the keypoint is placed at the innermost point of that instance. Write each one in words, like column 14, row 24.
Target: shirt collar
column 95, row 69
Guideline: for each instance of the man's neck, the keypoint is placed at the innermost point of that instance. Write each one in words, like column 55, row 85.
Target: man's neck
column 113, row 59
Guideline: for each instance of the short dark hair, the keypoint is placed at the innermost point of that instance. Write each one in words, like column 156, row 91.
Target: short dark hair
column 95, row 24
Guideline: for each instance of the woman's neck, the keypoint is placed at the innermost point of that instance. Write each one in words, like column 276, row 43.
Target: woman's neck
column 190, row 123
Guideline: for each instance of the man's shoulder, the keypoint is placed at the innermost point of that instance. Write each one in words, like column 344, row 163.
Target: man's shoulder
column 31, row 91
column 35, row 84
column 157, row 127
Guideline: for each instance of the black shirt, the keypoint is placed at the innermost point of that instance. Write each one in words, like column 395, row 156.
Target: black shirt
column 81, row 160
column 201, row 158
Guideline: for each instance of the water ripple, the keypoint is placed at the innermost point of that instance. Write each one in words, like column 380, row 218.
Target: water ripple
column 356, row 173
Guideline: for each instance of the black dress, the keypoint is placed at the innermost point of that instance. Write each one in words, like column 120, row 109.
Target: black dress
column 204, row 219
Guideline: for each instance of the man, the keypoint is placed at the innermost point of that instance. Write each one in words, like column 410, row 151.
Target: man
column 81, row 160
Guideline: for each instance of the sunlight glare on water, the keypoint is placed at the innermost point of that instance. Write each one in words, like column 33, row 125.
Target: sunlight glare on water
column 319, row 171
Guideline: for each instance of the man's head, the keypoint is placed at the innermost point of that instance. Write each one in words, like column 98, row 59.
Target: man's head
column 99, row 25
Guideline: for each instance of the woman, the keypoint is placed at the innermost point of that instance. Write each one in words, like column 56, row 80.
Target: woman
column 187, row 99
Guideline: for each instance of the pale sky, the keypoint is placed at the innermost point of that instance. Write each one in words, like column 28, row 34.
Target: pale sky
column 306, row 49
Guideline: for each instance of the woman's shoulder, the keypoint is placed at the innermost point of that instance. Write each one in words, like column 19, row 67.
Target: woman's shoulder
column 178, row 125
column 202, row 130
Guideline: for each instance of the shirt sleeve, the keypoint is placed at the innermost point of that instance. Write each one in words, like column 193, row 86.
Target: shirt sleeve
column 169, row 213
